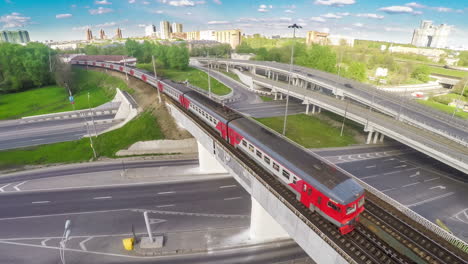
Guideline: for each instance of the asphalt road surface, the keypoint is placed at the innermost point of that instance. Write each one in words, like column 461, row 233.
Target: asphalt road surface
column 18, row 135
column 417, row 181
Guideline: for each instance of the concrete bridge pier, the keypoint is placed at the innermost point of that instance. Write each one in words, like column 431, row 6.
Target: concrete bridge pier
column 381, row 137
column 376, row 136
column 208, row 162
column 369, row 137
column 262, row 226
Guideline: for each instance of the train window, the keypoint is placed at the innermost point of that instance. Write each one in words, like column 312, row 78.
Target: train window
column 286, row 174
column 266, row 159
column 361, row 202
column 333, row 206
column 309, row 192
column 275, row 166
column 259, row 153
column 294, row 179
column 244, row 143
column 319, row 200
column 351, row 209
column 251, row 148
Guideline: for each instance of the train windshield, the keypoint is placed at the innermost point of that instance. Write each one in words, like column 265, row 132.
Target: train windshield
column 351, row 209
column 361, row 202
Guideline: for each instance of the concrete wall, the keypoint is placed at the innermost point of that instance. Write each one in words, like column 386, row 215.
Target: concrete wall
column 165, row 146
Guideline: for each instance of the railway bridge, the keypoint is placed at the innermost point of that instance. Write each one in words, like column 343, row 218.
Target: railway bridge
column 276, row 212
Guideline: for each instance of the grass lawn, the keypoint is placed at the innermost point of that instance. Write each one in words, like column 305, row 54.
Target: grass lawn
column 453, row 96
column 310, row 132
column 443, row 107
column 449, row 72
column 231, row 75
column 266, row 98
column 142, row 128
column 194, row 76
column 52, row 99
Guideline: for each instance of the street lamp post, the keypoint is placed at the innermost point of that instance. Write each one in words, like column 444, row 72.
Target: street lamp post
column 456, row 103
column 370, row 107
column 294, row 27
column 156, row 77
column 344, row 118
column 209, row 77
column 92, row 116
column 125, row 68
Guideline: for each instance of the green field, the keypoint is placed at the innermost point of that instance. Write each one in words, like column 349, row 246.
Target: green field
column 231, row 75
column 266, row 98
column 443, row 107
column 52, row 99
column 310, row 132
column 194, row 76
column 449, row 72
column 144, row 127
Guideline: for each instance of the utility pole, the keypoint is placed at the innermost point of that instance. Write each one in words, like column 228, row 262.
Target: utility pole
column 459, row 98
column 156, row 77
column 294, row 27
column 344, row 118
column 92, row 116
column 370, row 107
column 125, row 68
column 209, row 77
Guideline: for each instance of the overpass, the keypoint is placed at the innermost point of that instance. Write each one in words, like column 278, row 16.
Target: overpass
column 317, row 237
column 450, row 150
column 310, row 79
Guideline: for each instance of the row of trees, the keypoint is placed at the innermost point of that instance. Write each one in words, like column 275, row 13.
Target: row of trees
column 24, row 67
column 219, row 51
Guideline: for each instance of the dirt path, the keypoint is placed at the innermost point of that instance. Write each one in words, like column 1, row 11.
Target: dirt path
column 147, row 98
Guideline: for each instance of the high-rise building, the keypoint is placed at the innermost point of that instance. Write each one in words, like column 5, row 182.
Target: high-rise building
column 232, row 37
column 89, row 35
column 150, row 31
column 193, row 35
column 118, row 33
column 19, row 36
column 102, row 34
column 165, row 29
column 207, row 35
column 428, row 35
column 177, row 27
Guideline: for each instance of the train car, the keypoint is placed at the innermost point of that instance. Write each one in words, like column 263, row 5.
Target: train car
column 317, row 185
column 174, row 90
column 212, row 113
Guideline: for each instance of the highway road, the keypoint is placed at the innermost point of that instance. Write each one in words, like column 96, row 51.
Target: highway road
column 426, row 186
column 216, row 206
column 18, row 134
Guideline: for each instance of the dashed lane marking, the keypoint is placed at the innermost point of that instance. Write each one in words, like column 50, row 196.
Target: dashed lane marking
column 227, row 186
column 82, row 243
column 102, row 197
column 232, row 198
column 411, row 184
column 40, row 202
column 371, row 166
column 387, row 190
column 165, row 192
column 433, row 179
column 430, row 199
column 190, row 214
column 401, row 166
column 165, row 205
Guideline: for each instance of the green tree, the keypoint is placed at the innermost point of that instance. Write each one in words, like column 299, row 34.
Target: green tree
column 356, row 71
column 244, row 47
column 421, row 73
column 319, row 57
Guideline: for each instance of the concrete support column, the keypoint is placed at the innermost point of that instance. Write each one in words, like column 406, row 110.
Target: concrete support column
column 276, row 96
column 208, row 163
column 313, row 109
column 381, row 137
column 319, row 109
column 227, row 67
column 277, row 76
column 262, row 226
column 369, row 137
column 281, row 96
column 376, row 136
column 307, row 109
column 269, row 74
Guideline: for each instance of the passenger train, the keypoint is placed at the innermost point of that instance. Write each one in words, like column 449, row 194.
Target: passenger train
column 319, row 186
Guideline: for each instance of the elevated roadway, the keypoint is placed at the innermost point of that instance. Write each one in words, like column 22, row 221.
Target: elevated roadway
column 403, row 110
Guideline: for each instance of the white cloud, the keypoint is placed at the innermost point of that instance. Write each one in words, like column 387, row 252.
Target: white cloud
column 358, row 24
column 141, row 25
column 156, row 11
column 217, row 2
column 218, row 22
column 73, row 6
column 262, row 10
column 289, row 11
column 146, row 2
column 80, row 28
column 334, row 2
column 59, row 16
column 369, row 15
column 399, row 10
column 101, row 10
column 331, row 16
column 107, row 24
column 415, row 5
column 318, row 19
column 183, row 3
column 397, row 29
column 14, row 20
column 188, row 13
column 103, row 2
column 131, row 1
column 443, row 9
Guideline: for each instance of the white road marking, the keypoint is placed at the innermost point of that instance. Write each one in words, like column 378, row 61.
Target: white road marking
column 154, row 221
column 411, row 184
column 77, row 213
column 386, row 190
column 368, row 177
column 430, row 199
column 102, row 197
column 232, row 198
column 227, row 186
column 414, row 175
column 16, row 187
column 43, row 242
column 401, row 166
column 389, row 159
column 438, row 187
column 4, row 186
column 371, row 166
column 433, row 179
column 165, row 192
column 39, row 139
column 40, row 202
column 165, row 205
column 82, row 243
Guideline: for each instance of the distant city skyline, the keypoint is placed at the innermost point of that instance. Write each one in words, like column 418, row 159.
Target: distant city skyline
column 362, row 19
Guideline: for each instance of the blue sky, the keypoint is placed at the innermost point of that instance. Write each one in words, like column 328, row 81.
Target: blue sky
column 390, row 20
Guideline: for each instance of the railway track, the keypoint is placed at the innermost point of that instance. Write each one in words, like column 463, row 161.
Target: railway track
column 361, row 245
column 426, row 248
